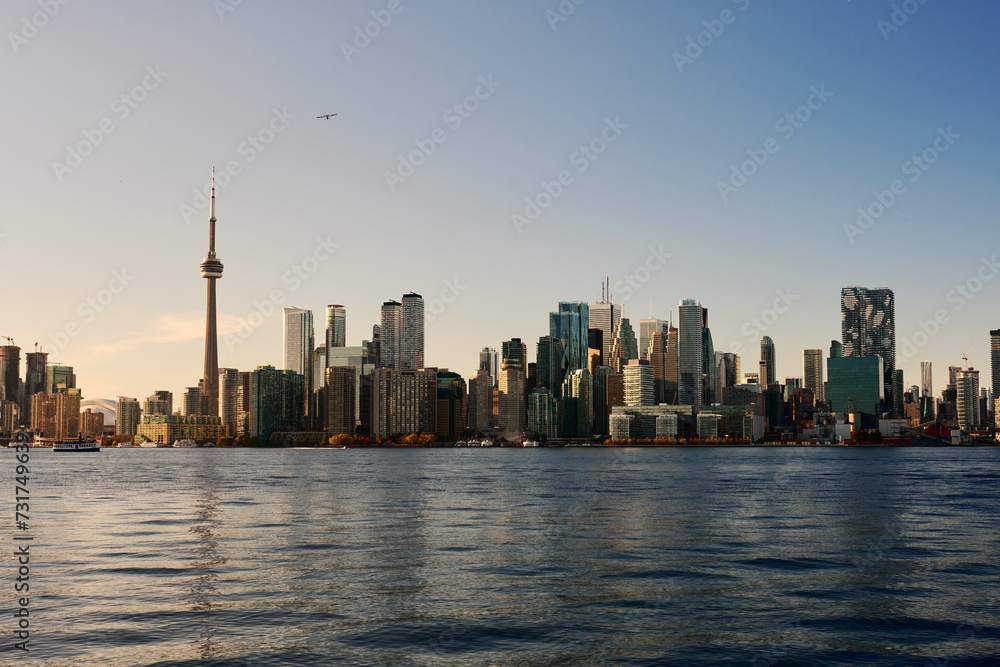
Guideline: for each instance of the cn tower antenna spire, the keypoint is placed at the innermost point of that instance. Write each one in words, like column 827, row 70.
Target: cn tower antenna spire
column 211, row 220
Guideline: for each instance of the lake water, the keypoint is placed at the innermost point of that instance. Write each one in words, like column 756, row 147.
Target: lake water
column 700, row 556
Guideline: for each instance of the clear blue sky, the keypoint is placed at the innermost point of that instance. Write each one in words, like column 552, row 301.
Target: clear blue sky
column 202, row 80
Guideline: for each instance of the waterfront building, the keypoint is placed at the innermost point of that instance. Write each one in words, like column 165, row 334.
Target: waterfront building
column 211, row 270
column 542, row 413
column 689, row 352
column 341, row 394
column 708, row 426
column 67, row 414
column 167, row 429
column 452, row 405
column 855, row 385
column 625, row 426
column 512, row 389
column 646, row 415
column 967, row 399
column 277, row 401
column 403, row 402
column 481, row 401
column 43, row 414
column 411, row 333
column 994, row 361
column 127, row 416
column 868, row 328
column 666, row 426
column 356, row 357
column 298, row 344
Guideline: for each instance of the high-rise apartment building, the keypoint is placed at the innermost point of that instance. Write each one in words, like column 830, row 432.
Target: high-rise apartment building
column 230, row 400
column 549, row 365
column 68, row 414
column 542, row 413
column 967, row 386
column 10, row 372
column 868, row 328
column 576, row 408
column 812, row 373
column 363, row 364
column 34, row 381
column 767, row 361
column 995, row 362
column 160, row 403
column 127, row 416
column 670, row 366
column 341, row 396
column 392, row 322
column 277, row 401
column 59, row 379
column 481, row 401
column 403, row 402
column 689, row 352
column 336, row 326
column 298, row 344
column 490, row 362
column 513, row 387
column 411, row 335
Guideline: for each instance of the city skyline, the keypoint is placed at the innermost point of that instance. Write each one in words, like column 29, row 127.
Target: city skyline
column 305, row 194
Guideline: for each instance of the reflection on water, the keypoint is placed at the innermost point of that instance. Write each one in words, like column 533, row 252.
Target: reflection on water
column 502, row 557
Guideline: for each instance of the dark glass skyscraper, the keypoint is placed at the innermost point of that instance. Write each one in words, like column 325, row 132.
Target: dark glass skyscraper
column 767, row 361
column 868, row 328
column 569, row 324
column 689, row 352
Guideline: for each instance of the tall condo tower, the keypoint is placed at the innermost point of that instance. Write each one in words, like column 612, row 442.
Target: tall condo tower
column 336, row 328
column 689, row 352
column 211, row 270
column 411, row 334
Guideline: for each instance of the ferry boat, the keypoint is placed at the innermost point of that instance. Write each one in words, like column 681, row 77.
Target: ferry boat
column 76, row 446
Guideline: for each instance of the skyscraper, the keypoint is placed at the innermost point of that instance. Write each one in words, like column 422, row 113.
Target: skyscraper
column 489, row 362
column 548, row 365
column 411, row 335
column 211, row 270
column 624, row 347
column 392, row 321
column 160, row 403
column 10, row 372
column 868, row 328
column 995, row 361
column 707, row 362
column 638, row 375
column 767, row 361
column 230, row 399
column 336, row 327
column 967, row 384
column 59, row 379
column 689, row 352
column 34, row 381
column 670, row 366
column 647, row 328
column 604, row 315
column 812, row 372
column 298, row 344
column 569, row 324
column 513, row 380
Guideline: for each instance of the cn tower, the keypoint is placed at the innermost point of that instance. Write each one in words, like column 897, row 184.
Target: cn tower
column 211, row 270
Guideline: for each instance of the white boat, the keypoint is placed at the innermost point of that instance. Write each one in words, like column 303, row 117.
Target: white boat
column 530, row 443
column 187, row 442
column 125, row 444
column 76, row 446
column 150, row 444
